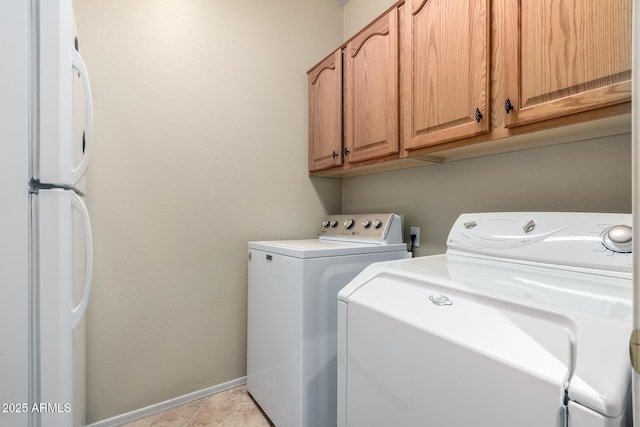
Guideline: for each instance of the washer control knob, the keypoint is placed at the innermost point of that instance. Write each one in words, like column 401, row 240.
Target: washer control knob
column 325, row 223
column 377, row 223
column 349, row 223
column 618, row 238
column 333, row 223
column 366, row 223
column 620, row 234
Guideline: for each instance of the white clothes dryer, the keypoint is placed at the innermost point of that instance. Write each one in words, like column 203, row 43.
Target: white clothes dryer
column 292, row 313
column 525, row 321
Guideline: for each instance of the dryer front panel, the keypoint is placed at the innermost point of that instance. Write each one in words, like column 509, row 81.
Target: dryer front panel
column 425, row 355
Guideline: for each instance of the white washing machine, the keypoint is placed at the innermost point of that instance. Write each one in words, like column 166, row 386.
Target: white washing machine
column 292, row 313
column 525, row 321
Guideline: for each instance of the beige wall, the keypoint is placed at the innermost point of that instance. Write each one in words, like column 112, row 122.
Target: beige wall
column 587, row 176
column 201, row 145
column 359, row 13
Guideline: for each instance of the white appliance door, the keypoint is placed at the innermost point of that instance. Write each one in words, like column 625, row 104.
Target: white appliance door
column 64, row 246
column 418, row 354
column 636, row 198
column 65, row 98
column 274, row 315
column 14, row 214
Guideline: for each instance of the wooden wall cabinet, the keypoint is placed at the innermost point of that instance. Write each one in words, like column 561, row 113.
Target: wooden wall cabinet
column 325, row 113
column 353, row 101
column 565, row 57
column 371, row 91
column 440, row 80
column 445, row 71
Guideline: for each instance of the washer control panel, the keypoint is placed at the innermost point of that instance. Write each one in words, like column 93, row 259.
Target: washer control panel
column 383, row 228
column 586, row 240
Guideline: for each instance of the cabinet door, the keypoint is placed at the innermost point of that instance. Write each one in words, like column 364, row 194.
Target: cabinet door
column 325, row 113
column 446, row 77
column 566, row 57
column 371, row 91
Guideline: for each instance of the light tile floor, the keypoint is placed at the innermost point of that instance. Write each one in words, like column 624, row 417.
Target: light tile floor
column 231, row 408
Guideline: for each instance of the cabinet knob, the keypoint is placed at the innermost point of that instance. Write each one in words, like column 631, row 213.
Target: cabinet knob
column 334, row 154
column 478, row 115
column 508, row 106
column 346, row 152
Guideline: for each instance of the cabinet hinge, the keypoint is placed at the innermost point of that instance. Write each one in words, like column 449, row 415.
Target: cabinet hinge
column 634, row 350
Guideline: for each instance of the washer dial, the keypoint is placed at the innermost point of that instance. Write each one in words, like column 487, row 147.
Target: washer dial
column 618, row 238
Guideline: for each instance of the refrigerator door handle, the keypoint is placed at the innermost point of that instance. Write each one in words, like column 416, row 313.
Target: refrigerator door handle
column 78, row 172
column 78, row 312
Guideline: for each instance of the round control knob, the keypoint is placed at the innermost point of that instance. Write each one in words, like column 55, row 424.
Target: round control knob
column 377, row 223
column 333, row 223
column 349, row 223
column 366, row 223
column 618, row 238
column 620, row 234
column 325, row 223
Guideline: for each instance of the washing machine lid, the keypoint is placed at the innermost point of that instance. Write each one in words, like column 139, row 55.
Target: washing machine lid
column 340, row 235
column 593, row 310
column 316, row 248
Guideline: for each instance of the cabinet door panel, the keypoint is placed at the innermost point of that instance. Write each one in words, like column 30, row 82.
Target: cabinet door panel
column 371, row 91
column 325, row 113
column 447, row 77
column 573, row 56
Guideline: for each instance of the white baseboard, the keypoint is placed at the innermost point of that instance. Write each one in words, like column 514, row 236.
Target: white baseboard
column 132, row 416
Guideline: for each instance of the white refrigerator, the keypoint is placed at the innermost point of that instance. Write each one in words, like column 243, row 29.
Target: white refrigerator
column 45, row 234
